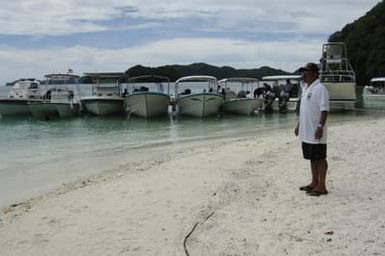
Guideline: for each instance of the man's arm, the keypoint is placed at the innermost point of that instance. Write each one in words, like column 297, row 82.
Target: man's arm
column 320, row 129
column 296, row 129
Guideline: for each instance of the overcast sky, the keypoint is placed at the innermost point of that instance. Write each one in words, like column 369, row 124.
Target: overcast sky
column 38, row 37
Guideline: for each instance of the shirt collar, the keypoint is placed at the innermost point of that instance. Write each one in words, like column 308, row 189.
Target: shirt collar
column 312, row 84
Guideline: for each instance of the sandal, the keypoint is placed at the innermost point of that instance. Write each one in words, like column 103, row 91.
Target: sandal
column 306, row 188
column 317, row 193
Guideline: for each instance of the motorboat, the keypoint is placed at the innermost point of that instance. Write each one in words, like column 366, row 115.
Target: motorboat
column 22, row 92
column 374, row 94
column 197, row 96
column 146, row 96
column 238, row 95
column 59, row 99
column 106, row 98
column 337, row 75
column 281, row 92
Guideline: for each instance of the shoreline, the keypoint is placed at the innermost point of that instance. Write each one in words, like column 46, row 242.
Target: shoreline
column 240, row 194
column 21, row 180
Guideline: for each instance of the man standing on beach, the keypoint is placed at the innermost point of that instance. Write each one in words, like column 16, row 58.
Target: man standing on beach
column 311, row 128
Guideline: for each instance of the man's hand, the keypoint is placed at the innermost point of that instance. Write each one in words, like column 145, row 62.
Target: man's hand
column 318, row 133
column 296, row 130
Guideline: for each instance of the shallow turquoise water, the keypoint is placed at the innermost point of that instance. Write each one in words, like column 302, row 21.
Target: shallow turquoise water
column 36, row 154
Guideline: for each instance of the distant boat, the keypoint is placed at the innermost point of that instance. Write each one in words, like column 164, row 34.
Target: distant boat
column 59, row 100
column 238, row 93
column 193, row 101
column 147, row 96
column 375, row 92
column 338, row 76
column 281, row 100
column 22, row 92
column 106, row 98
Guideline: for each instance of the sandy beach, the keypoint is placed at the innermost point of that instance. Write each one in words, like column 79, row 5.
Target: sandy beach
column 236, row 196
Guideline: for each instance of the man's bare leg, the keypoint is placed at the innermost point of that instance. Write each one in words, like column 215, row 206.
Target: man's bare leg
column 321, row 167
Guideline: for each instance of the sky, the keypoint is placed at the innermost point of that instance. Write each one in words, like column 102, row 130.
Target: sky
column 39, row 37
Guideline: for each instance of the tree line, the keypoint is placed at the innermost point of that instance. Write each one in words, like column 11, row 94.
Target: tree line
column 365, row 42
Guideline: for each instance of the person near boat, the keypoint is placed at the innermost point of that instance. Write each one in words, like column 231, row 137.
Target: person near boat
column 284, row 96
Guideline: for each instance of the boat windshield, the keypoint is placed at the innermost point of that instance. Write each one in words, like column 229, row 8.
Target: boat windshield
column 34, row 86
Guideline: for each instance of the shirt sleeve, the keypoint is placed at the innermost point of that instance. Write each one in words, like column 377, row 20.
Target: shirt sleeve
column 324, row 99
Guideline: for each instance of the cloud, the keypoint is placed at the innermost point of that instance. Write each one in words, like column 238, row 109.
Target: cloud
column 58, row 17
column 39, row 37
column 55, row 17
column 220, row 51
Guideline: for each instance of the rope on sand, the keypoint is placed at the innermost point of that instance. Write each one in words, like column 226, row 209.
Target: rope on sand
column 192, row 231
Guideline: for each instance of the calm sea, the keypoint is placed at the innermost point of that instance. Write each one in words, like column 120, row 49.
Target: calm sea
column 36, row 155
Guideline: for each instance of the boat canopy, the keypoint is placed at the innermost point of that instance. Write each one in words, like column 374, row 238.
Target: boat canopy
column 197, row 79
column 377, row 79
column 61, row 76
column 61, row 79
column 148, row 78
column 238, row 79
column 281, row 77
column 211, row 80
column 111, row 76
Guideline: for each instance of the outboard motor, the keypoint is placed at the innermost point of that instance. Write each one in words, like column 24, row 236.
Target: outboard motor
column 269, row 100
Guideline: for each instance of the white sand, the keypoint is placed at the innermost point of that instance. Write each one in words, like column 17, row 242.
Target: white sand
column 227, row 197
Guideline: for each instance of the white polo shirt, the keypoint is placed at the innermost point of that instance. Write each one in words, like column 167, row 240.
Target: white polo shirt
column 314, row 100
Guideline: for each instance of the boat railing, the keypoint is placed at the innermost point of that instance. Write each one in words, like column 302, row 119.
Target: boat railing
column 337, row 71
column 148, row 83
column 338, row 76
column 196, row 84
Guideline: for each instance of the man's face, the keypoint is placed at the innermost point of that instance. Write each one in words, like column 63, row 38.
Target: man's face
column 309, row 77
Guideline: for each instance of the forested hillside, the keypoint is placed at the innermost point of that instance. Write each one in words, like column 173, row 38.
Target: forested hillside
column 365, row 41
column 176, row 71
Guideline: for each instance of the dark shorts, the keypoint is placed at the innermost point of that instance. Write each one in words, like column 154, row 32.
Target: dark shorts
column 313, row 152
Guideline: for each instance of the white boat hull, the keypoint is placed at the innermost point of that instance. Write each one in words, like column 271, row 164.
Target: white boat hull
column 244, row 106
column 147, row 104
column 200, row 105
column 43, row 110
column 373, row 97
column 103, row 105
column 342, row 95
column 373, row 100
column 13, row 107
column 67, row 109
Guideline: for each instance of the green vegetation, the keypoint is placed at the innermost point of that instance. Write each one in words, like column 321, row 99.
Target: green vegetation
column 365, row 41
column 176, row 71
